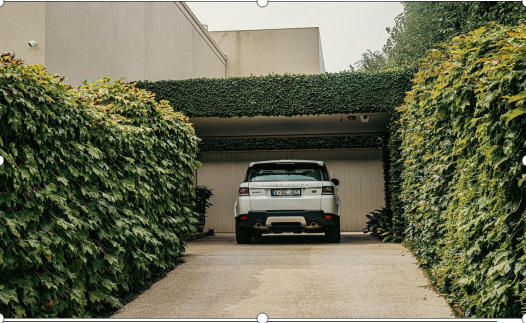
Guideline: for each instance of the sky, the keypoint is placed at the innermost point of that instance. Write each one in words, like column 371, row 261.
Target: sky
column 347, row 29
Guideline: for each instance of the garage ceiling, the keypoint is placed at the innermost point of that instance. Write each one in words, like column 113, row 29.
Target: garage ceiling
column 322, row 125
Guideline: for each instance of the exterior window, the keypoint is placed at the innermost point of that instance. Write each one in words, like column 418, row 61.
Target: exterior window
column 286, row 172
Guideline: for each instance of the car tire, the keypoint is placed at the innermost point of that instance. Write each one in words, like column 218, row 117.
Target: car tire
column 243, row 236
column 257, row 235
column 332, row 235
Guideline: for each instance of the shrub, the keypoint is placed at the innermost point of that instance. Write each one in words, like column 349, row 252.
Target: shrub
column 423, row 24
column 463, row 137
column 290, row 143
column 380, row 225
column 285, row 95
column 202, row 195
column 96, row 193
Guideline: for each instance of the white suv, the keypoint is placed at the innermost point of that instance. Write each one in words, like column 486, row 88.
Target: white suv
column 287, row 196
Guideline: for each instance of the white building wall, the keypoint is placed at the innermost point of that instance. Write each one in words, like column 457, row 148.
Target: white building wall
column 20, row 23
column 280, row 51
column 87, row 40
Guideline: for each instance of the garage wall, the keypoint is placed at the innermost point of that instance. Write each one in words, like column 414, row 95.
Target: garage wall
column 359, row 170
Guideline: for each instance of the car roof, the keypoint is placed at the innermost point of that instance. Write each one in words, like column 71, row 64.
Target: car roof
column 288, row 161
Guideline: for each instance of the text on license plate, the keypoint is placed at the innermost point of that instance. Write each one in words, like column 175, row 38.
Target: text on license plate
column 286, row 192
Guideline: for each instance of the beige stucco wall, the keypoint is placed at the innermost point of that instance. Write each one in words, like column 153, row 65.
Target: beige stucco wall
column 138, row 40
column 261, row 52
column 20, row 23
column 322, row 61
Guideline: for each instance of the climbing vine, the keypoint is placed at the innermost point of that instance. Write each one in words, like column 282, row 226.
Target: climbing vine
column 285, row 95
column 462, row 138
column 289, row 143
column 96, row 191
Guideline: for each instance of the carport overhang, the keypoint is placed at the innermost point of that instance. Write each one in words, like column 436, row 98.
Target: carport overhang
column 295, row 113
column 295, row 126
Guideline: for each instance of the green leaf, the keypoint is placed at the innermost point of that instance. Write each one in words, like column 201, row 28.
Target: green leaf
column 96, row 296
column 77, row 294
column 512, row 114
column 73, row 171
column 63, row 180
column 51, row 188
column 20, row 311
column 8, row 295
column 109, row 284
column 489, row 152
column 517, row 97
column 111, row 259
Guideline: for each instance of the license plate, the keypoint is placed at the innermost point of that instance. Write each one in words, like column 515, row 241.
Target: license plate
column 286, row 192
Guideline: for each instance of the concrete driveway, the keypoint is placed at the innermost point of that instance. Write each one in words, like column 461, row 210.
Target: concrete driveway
column 292, row 276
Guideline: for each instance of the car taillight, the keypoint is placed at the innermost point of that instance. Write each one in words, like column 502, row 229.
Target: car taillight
column 328, row 216
column 244, row 217
column 328, row 190
column 243, row 191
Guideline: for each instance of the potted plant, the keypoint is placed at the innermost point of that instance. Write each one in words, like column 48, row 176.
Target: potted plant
column 202, row 195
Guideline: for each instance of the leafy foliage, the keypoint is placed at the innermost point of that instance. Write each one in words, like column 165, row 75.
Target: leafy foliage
column 287, row 143
column 380, row 224
column 202, row 195
column 285, row 95
column 394, row 229
column 393, row 165
column 463, row 137
column 371, row 62
column 96, row 191
column 422, row 25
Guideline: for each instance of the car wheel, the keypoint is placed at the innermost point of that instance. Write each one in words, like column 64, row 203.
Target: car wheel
column 243, row 236
column 332, row 235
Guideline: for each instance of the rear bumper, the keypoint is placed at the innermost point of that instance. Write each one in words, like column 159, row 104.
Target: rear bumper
column 286, row 221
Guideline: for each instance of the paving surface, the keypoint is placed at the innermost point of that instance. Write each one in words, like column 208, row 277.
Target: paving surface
column 292, row 276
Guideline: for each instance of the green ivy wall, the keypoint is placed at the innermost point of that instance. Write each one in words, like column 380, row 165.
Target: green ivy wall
column 96, row 192
column 463, row 135
column 290, row 143
column 285, row 95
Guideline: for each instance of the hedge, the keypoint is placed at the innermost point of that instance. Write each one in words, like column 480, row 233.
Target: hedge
column 96, row 192
column 290, row 143
column 463, row 137
column 285, row 95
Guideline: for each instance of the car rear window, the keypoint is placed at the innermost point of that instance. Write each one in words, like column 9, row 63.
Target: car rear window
column 286, row 172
